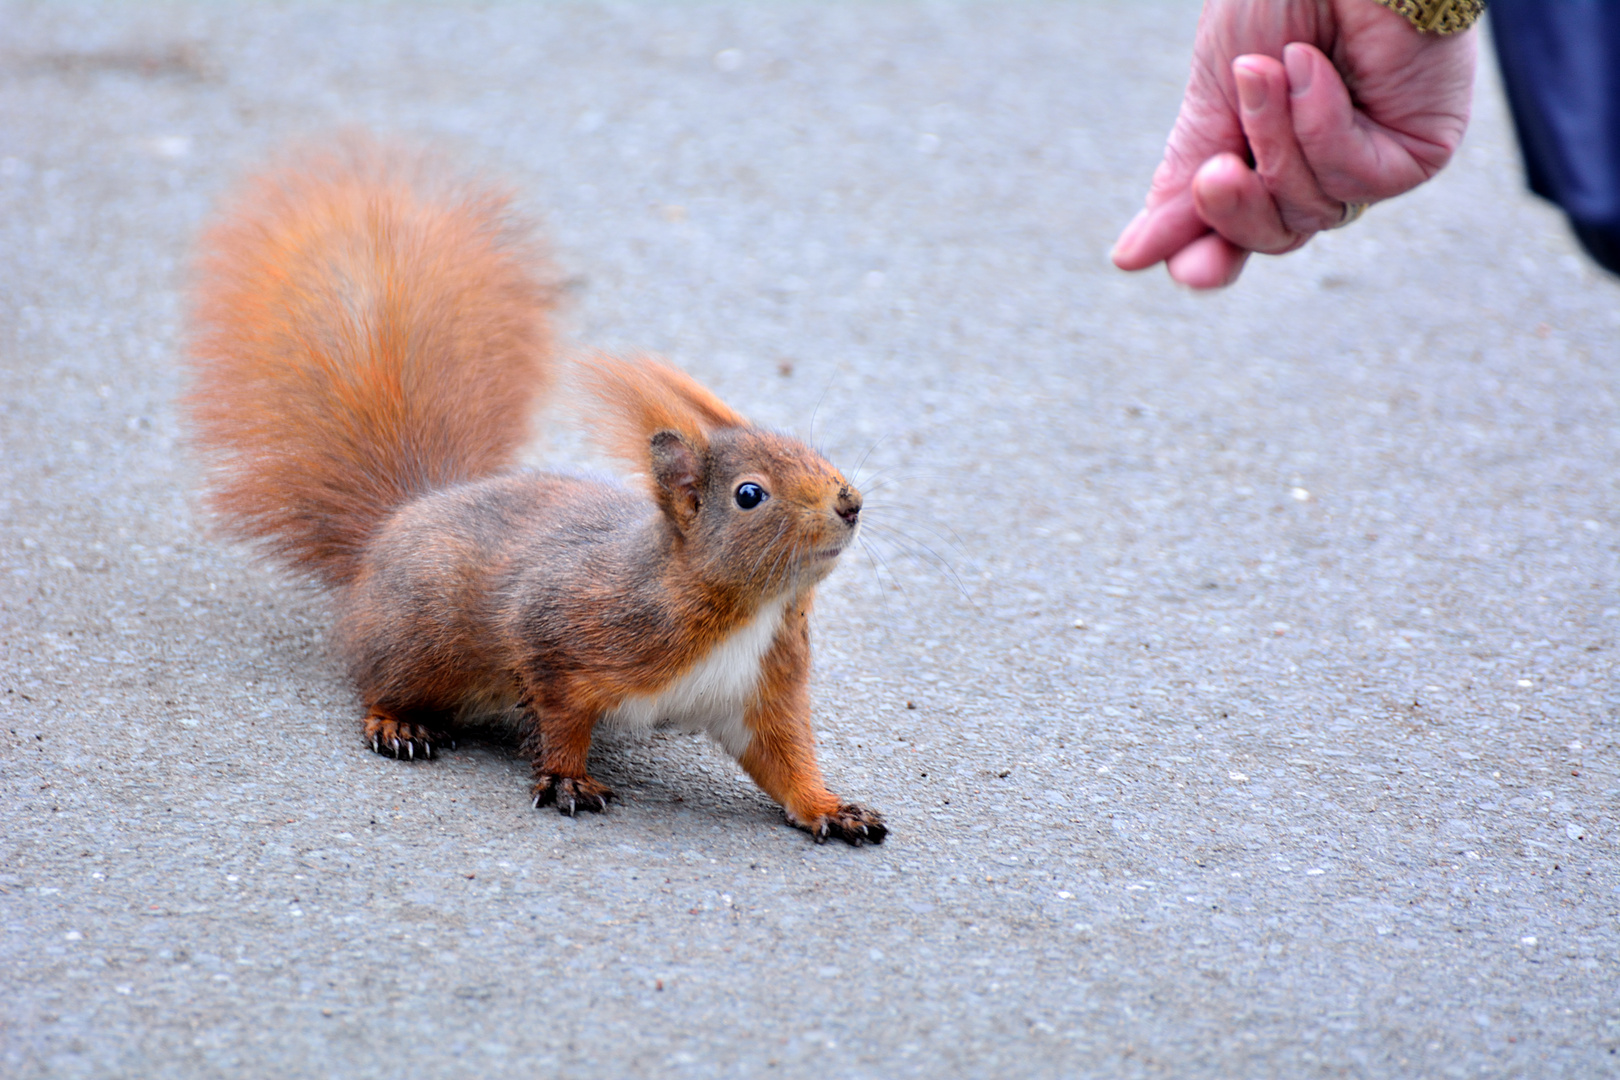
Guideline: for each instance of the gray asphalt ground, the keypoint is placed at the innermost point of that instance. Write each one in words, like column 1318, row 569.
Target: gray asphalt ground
column 1236, row 672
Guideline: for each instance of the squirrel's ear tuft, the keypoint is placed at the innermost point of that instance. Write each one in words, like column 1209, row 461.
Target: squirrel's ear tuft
column 637, row 401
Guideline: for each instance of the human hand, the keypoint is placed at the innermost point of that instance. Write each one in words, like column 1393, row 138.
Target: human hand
column 1338, row 101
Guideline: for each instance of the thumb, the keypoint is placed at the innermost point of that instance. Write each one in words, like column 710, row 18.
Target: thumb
column 1355, row 159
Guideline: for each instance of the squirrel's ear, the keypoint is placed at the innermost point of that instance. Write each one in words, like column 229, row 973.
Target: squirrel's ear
column 677, row 469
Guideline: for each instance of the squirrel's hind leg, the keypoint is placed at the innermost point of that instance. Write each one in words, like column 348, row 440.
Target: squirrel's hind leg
column 391, row 733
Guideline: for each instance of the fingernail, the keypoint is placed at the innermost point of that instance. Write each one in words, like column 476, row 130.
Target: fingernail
column 1251, row 86
column 1126, row 237
column 1298, row 63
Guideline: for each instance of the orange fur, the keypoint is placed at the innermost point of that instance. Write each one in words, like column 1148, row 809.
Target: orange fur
column 366, row 331
column 782, row 756
column 635, row 399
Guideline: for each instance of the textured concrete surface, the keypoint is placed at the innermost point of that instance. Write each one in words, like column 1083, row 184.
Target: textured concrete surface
column 1236, row 671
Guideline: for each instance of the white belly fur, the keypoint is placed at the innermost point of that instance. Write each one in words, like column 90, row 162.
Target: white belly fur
column 715, row 694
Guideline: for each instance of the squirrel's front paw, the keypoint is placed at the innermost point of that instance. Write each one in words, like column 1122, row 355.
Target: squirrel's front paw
column 571, row 793
column 400, row 738
column 850, row 823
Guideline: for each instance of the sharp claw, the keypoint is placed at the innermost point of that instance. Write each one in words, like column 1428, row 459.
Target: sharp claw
column 395, row 744
column 376, row 747
column 864, row 831
column 537, row 800
column 571, row 806
column 410, row 749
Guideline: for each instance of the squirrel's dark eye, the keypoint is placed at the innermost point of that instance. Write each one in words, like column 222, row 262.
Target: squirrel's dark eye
column 750, row 495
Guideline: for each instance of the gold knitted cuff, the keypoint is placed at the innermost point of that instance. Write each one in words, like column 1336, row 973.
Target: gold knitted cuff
column 1438, row 16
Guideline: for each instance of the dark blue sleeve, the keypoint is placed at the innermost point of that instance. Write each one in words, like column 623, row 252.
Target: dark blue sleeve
column 1561, row 67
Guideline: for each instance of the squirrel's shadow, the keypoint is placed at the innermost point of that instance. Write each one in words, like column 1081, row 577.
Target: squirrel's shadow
column 650, row 772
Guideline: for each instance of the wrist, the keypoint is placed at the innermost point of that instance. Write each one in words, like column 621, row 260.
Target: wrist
column 1437, row 16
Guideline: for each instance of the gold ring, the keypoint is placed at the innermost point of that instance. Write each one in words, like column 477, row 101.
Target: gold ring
column 1352, row 211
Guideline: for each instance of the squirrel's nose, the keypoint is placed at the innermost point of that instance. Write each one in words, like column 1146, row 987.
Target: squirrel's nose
column 849, row 504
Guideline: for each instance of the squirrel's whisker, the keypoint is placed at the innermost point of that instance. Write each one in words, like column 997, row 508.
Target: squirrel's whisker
column 910, row 546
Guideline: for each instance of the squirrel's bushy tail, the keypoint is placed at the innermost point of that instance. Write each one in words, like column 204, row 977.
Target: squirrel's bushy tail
column 364, row 331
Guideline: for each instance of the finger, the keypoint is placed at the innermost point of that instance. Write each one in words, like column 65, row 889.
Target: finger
column 1205, row 126
column 1210, row 262
column 1268, row 123
column 1159, row 232
column 1353, row 158
column 1233, row 200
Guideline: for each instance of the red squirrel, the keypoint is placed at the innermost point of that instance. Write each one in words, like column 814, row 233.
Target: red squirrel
column 368, row 342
